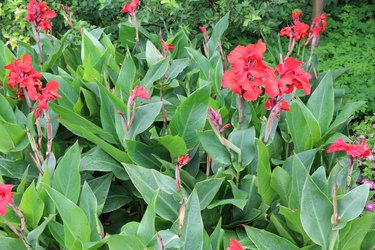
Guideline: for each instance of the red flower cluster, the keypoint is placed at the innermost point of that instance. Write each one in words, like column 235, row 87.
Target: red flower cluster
column 39, row 13
column 352, row 150
column 5, row 197
column 234, row 245
column 249, row 74
column 130, row 7
column 319, row 25
column 26, row 78
column 298, row 30
column 138, row 92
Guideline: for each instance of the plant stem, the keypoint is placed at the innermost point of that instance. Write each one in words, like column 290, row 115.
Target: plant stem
column 240, row 103
column 208, row 165
column 37, row 40
column 274, row 112
column 49, row 133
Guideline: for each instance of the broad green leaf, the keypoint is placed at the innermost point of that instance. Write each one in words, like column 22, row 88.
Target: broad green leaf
column 153, row 55
column 127, row 76
column 192, row 229
column 190, row 116
column 33, row 236
column 6, row 110
column 177, row 67
column 6, row 57
column 128, row 242
column 352, row 235
column 240, row 203
column 32, row 206
column 73, row 217
column 171, row 240
column 217, row 32
column 245, row 140
column 299, row 175
column 117, row 197
column 146, row 229
column 217, row 236
column 264, row 240
column 320, row 179
column 155, row 72
column 89, row 205
column 11, row 243
column 264, row 174
column 67, row 179
column 351, row 205
column 299, row 128
column 144, row 117
column 127, row 35
column 108, row 110
column 281, row 228
column 280, row 182
column 207, row 190
column 316, row 213
column 91, row 103
column 100, row 187
column 98, row 160
column 202, row 62
column 321, row 102
column 213, row 146
column 11, row 136
column 174, row 144
column 312, row 123
column 92, row 49
column 344, row 115
column 143, row 154
column 292, row 218
column 148, row 181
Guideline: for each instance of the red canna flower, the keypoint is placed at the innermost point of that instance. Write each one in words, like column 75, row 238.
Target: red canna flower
column 130, row 7
column 203, row 29
column 39, row 13
column 49, row 93
column 298, row 30
column 234, row 245
column 167, row 46
column 182, row 161
column 352, row 150
column 138, row 92
column 319, row 25
column 5, row 197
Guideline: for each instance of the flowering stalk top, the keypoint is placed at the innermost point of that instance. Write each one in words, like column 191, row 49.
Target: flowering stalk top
column 131, row 7
column 216, row 120
column 5, row 197
column 182, row 161
column 138, row 92
column 38, row 13
column 298, row 30
column 352, row 150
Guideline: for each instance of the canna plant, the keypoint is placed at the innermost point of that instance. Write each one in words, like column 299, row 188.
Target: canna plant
column 158, row 142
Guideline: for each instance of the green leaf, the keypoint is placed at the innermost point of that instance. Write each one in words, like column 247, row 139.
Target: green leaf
column 321, row 102
column 280, row 182
column 351, row 205
column 89, row 205
column 98, row 160
column 292, row 218
column 11, row 136
column 207, row 190
column 174, row 144
column 299, row 175
column 100, row 187
column 320, row 179
column 217, row 32
column 217, row 236
column 297, row 125
column 32, row 206
column 148, row 181
column 190, row 116
column 213, row 146
column 128, row 242
column 127, row 76
column 264, row 240
column 73, row 217
column 127, row 35
column 67, row 179
column 352, row 235
column 6, row 57
column 91, row 50
column 177, row 67
column 245, row 140
column 192, row 229
column 153, row 55
column 264, row 174
column 146, row 229
column 281, row 228
column 316, row 213
column 201, row 61
column 240, row 203
column 344, row 115
column 33, row 236
column 143, row 154
column 144, row 117
column 11, row 243
column 6, row 110
column 312, row 123
column 155, row 72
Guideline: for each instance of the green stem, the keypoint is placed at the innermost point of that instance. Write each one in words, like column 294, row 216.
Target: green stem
column 332, row 242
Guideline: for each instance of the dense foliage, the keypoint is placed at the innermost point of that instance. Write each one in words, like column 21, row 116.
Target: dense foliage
column 161, row 141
